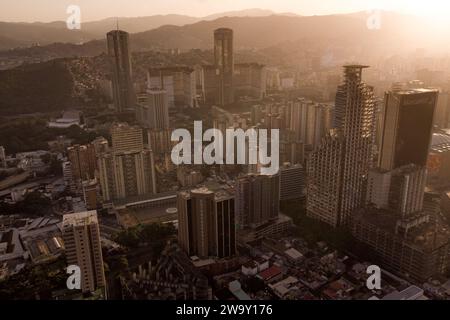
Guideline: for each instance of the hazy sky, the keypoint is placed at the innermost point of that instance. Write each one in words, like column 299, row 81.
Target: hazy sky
column 51, row 10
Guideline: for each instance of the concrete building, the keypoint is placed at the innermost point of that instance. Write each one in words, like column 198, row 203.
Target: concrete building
column 292, row 182
column 310, row 121
column 337, row 169
column 128, row 170
column 438, row 164
column 249, row 80
column 83, row 161
column 152, row 111
column 206, row 222
column 126, row 138
column 81, row 235
column 224, row 64
column 257, row 199
column 178, row 82
column 121, row 71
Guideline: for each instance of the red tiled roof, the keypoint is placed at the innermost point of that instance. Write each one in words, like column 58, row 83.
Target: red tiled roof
column 270, row 273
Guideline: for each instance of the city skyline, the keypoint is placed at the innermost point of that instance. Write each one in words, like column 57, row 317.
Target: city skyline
column 264, row 159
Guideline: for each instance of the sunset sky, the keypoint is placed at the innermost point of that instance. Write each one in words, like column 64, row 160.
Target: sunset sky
column 51, row 10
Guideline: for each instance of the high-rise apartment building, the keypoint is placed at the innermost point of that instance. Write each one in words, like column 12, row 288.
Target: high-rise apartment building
column 408, row 121
column 83, row 248
column 126, row 138
column 128, row 169
column 152, row 112
column 310, row 121
column 292, row 182
column 224, row 64
column 121, row 71
column 257, row 199
column 206, row 218
column 337, row 170
column 249, row 80
column 83, row 161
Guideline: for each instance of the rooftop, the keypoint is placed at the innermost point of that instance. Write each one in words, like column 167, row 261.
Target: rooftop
column 80, row 218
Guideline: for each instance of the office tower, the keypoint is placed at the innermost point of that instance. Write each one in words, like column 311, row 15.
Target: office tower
column 152, row 112
column 120, row 62
column 292, row 182
column 337, row 169
column 179, row 83
column 83, row 248
column 249, row 80
column 398, row 230
column 206, row 220
column 128, row 169
column 126, row 138
column 224, row 63
column 2, row 157
column 408, row 121
column 257, row 199
column 83, row 161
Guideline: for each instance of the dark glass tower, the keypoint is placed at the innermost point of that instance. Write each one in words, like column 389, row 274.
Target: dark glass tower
column 120, row 62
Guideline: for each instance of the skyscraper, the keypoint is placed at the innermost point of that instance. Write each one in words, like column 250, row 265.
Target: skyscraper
column 120, row 62
column 207, row 222
column 408, row 121
column 126, row 138
column 128, row 169
column 153, row 110
column 224, row 63
column 337, row 170
column 83, row 161
column 399, row 232
column 257, row 199
column 83, row 248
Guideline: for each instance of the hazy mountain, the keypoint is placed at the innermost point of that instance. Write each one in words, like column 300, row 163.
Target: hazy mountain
column 14, row 35
column 396, row 31
column 255, row 12
column 136, row 24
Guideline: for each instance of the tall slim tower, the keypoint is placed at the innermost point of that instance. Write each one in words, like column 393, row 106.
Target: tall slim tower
column 338, row 168
column 83, row 248
column 224, row 63
column 120, row 62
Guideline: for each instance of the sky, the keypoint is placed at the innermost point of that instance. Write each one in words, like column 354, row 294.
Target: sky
column 52, row 10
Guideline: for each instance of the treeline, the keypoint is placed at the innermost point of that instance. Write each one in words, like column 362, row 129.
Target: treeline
column 33, row 134
column 154, row 235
